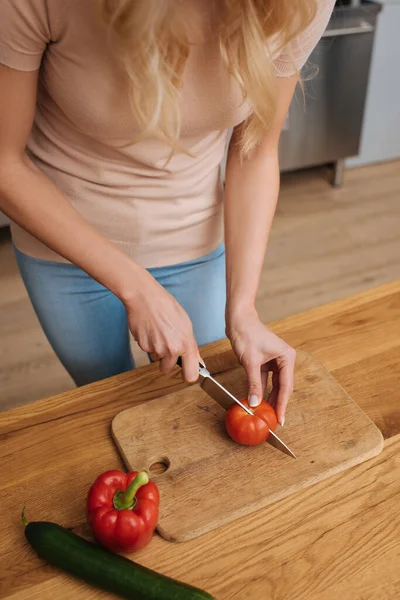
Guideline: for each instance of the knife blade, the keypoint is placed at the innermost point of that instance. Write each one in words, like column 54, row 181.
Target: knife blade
column 225, row 399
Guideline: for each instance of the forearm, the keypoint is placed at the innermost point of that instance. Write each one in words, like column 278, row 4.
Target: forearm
column 251, row 192
column 30, row 199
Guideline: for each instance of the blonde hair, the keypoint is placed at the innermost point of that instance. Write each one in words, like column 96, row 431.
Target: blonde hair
column 153, row 46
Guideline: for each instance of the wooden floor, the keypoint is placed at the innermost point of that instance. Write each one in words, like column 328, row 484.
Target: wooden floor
column 325, row 244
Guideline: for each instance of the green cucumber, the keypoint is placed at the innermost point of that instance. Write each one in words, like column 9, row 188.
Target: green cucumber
column 103, row 569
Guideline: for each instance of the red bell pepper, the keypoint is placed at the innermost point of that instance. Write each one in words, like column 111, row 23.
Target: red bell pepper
column 122, row 510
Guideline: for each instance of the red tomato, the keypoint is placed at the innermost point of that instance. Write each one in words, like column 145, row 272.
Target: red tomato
column 246, row 429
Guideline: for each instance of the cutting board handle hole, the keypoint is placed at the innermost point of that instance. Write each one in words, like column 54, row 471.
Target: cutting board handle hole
column 160, row 465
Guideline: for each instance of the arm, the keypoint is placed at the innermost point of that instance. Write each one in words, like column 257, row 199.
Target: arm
column 30, row 199
column 251, row 194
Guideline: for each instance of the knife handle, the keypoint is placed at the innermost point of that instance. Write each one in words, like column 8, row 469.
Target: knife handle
column 179, row 363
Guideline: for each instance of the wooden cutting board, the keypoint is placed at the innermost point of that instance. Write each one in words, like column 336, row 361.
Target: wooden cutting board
column 210, row 480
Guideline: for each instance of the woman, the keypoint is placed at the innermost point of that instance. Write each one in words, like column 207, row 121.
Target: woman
column 114, row 116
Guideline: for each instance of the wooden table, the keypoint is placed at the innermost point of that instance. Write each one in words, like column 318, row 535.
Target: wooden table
column 338, row 539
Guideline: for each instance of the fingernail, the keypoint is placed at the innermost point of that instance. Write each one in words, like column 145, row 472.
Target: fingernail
column 282, row 421
column 254, row 401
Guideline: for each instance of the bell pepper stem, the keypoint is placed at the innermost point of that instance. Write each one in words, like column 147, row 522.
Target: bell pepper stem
column 126, row 500
column 23, row 518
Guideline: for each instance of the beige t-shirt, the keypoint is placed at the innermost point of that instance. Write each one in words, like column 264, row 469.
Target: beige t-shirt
column 158, row 214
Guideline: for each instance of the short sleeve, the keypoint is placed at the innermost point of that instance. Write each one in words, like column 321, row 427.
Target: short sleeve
column 293, row 58
column 24, row 33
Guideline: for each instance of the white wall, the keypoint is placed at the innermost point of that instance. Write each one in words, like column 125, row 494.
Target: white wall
column 381, row 130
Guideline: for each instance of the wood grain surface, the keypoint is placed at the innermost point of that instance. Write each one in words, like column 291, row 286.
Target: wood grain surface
column 210, row 480
column 339, row 538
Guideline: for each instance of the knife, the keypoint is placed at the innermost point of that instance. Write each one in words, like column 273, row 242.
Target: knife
column 225, row 399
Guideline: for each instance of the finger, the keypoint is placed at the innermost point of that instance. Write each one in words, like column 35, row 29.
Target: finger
column 275, row 385
column 145, row 345
column 286, row 376
column 154, row 357
column 167, row 363
column 264, row 378
column 190, row 365
column 255, row 384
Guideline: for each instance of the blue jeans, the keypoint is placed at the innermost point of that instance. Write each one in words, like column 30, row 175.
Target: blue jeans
column 87, row 325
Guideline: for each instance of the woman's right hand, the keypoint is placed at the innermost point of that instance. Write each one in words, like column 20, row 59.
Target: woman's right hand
column 161, row 327
column 157, row 321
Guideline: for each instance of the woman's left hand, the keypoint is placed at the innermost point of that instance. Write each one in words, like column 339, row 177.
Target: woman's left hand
column 260, row 352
